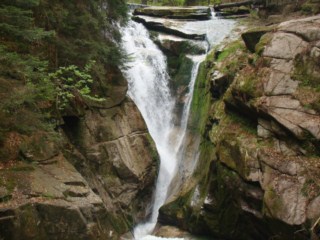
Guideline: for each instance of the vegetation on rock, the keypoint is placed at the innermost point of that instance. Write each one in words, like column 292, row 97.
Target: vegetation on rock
column 257, row 158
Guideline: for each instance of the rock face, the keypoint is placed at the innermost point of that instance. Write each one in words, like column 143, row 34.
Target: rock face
column 261, row 141
column 96, row 183
column 200, row 13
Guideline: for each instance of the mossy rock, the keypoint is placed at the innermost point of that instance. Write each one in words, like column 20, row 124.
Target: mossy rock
column 178, row 47
column 263, row 42
column 253, row 36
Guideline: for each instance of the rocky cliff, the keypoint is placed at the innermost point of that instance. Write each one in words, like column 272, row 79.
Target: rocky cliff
column 95, row 183
column 78, row 168
column 258, row 172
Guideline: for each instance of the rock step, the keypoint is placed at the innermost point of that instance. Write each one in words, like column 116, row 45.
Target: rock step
column 160, row 27
column 198, row 13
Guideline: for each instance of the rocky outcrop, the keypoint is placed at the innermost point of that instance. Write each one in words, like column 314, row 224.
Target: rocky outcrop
column 51, row 200
column 252, row 37
column 94, row 181
column 199, row 13
column 261, row 140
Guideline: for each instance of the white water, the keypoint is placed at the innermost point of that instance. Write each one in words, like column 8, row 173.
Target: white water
column 149, row 88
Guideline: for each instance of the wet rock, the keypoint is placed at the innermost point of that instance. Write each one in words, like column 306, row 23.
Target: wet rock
column 177, row 46
column 172, row 232
column 166, row 27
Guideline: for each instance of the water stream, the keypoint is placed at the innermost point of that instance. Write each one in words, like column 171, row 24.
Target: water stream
column 149, row 88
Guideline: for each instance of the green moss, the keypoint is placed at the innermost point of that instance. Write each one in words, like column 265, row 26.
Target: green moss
column 188, row 47
column 307, row 71
column 207, row 154
column 230, row 49
column 248, row 85
column 264, row 40
column 120, row 222
column 48, row 196
column 183, row 74
column 201, row 100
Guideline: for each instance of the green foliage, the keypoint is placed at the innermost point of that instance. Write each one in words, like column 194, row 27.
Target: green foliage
column 20, row 66
column 71, row 82
column 45, row 48
column 82, row 27
column 310, row 7
column 21, row 110
column 117, row 9
column 17, row 25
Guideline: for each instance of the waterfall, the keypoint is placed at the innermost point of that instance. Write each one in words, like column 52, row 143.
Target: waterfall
column 149, row 88
column 148, row 81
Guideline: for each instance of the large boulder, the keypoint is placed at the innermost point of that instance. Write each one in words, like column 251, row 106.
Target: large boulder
column 51, row 201
column 253, row 36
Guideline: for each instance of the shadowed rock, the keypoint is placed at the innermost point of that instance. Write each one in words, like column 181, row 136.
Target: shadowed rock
column 165, row 27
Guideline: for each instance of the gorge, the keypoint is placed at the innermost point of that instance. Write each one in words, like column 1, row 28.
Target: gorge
column 168, row 124
column 149, row 87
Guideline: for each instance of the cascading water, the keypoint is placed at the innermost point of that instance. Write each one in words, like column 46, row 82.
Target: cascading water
column 149, row 88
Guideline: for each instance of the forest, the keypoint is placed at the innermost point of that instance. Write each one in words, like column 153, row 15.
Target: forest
column 41, row 70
